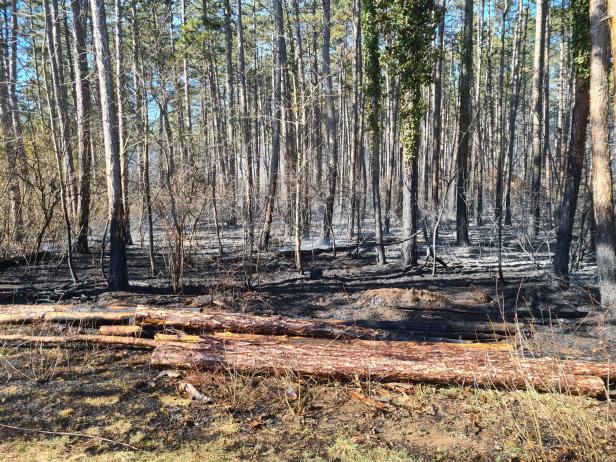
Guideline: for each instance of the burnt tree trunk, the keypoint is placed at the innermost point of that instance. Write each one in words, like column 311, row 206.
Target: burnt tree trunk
column 118, row 273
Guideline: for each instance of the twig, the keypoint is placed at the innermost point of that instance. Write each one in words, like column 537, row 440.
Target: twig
column 81, row 435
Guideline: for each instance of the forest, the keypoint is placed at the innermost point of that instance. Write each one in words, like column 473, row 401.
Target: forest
column 312, row 230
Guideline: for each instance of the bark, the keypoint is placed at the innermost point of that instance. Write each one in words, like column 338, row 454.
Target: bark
column 58, row 114
column 189, row 321
column 562, row 119
column 438, row 116
column 83, row 111
column 356, row 148
column 537, row 113
column 54, row 47
column 119, row 94
column 141, row 114
column 14, row 57
column 410, row 188
column 575, row 164
column 602, row 195
column 118, row 274
column 301, row 135
column 121, row 330
column 481, row 135
column 373, row 96
column 246, row 145
column 251, row 324
column 230, row 94
column 498, row 209
column 188, row 156
column 519, row 54
column 9, row 146
column 484, row 366
column 280, row 53
column 130, row 342
column 26, row 314
column 332, row 132
column 466, row 77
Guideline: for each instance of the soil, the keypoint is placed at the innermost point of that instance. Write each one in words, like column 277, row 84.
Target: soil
column 113, row 393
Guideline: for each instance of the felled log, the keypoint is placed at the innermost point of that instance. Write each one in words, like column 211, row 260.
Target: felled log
column 131, row 342
column 191, row 321
column 120, row 330
column 251, row 324
column 440, row 363
column 78, row 314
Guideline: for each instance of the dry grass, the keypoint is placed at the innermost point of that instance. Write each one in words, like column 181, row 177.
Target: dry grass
column 279, row 417
column 551, row 426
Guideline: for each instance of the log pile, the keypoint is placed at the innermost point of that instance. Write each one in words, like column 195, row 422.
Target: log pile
column 226, row 341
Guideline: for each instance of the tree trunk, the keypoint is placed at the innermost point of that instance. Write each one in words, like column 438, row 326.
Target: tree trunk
column 61, row 100
column 519, row 54
column 118, row 274
column 119, row 94
column 577, row 146
column 301, row 135
column 602, row 196
column 58, row 107
column 332, row 132
column 356, row 149
column 280, row 52
column 83, row 113
column 230, row 98
column 466, row 77
column 141, row 113
column 537, row 112
column 438, row 116
column 188, row 150
column 9, row 148
column 246, row 146
column 373, row 95
column 573, row 177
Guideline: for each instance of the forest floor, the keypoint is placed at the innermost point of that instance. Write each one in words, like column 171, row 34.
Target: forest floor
column 97, row 402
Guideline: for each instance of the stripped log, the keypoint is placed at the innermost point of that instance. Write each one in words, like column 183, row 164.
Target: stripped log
column 252, row 324
column 441, row 363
